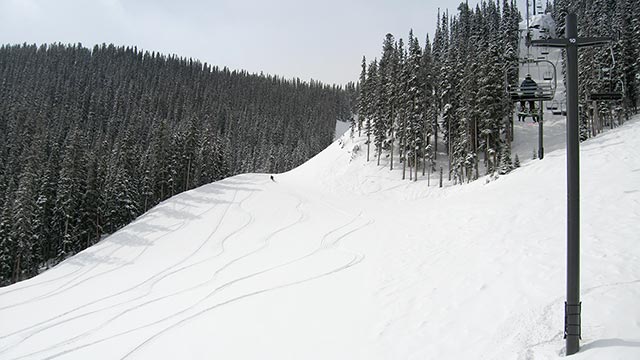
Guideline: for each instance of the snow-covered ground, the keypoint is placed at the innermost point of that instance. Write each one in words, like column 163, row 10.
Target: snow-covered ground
column 340, row 259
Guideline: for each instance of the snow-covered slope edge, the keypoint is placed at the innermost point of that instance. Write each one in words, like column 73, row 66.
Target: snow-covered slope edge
column 338, row 259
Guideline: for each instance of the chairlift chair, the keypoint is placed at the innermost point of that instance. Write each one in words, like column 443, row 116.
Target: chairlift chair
column 544, row 91
column 605, row 96
column 613, row 92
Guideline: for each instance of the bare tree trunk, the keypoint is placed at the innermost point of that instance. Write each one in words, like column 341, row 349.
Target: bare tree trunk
column 410, row 170
column 404, row 168
column 435, row 140
column 16, row 270
column 424, row 156
column 415, row 156
column 596, row 125
column 368, row 145
column 391, row 167
column 611, row 116
column 66, row 231
column 186, row 184
column 97, row 228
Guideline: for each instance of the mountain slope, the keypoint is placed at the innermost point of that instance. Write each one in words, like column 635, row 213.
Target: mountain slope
column 338, row 259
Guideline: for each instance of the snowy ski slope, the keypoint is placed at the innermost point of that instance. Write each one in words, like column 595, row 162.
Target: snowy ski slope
column 340, row 259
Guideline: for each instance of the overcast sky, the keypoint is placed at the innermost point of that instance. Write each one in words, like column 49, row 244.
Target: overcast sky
column 321, row 39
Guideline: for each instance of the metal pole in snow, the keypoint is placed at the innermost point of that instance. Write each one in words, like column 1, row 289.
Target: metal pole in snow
column 540, row 133
column 573, row 307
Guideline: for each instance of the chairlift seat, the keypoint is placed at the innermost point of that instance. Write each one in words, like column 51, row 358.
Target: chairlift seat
column 525, row 93
column 605, row 96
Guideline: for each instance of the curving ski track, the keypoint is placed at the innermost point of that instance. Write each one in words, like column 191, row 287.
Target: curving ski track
column 156, row 279
column 327, row 241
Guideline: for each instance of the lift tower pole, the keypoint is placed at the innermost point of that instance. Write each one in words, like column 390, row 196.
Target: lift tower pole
column 573, row 306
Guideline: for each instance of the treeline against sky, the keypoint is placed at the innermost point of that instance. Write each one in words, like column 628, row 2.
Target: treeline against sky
column 91, row 139
column 453, row 87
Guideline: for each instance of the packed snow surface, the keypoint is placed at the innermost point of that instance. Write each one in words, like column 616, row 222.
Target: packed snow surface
column 341, row 259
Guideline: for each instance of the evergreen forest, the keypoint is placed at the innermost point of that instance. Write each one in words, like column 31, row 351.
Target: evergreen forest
column 92, row 138
column 453, row 87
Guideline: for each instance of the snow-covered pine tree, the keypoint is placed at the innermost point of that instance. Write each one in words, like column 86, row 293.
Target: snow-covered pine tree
column 372, row 91
column 430, row 106
column 384, row 127
column 416, row 103
column 362, row 95
column 401, row 103
column 506, row 165
column 68, row 196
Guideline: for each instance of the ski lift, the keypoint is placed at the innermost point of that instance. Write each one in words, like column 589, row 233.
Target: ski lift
column 613, row 90
column 547, row 75
column 544, row 89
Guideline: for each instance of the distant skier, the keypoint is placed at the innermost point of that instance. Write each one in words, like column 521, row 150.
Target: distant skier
column 272, row 179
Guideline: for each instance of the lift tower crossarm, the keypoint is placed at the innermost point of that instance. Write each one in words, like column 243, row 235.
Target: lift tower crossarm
column 579, row 42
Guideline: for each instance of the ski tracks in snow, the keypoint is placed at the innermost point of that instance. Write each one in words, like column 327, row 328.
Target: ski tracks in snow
column 64, row 286
column 149, row 282
column 329, row 240
column 324, row 244
column 201, row 304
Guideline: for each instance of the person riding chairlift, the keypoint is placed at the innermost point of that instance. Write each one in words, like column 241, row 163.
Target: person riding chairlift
column 529, row 88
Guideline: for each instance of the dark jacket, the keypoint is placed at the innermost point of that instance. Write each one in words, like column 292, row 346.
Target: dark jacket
column 528, row 87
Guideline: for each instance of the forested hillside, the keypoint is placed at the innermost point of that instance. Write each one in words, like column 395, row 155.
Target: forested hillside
column 453, row 87
column 90, row 139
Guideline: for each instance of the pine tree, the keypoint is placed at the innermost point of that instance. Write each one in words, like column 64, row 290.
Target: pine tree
column 416, row 110
column 373, row 93
column 383, row 123
column 362, row 98
column 506, row 165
